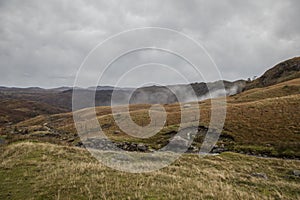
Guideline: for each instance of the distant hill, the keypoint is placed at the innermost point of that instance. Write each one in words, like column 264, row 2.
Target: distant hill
column 201, row 91
column 62, row 97
column 16, row 110
column 284, row 71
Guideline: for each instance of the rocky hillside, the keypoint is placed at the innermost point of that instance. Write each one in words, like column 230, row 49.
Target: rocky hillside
column 286, row 70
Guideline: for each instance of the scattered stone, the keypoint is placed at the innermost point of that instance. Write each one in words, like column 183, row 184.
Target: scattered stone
column 25, row 132
column 296, row 173
column 193, row 149
column 218, row 149
column 105, row 126
column 117, row 132
column 179, row 141
column 104, row 144
column 141, row 147
column 79, row 144
column 71, row 140
column 260, row 175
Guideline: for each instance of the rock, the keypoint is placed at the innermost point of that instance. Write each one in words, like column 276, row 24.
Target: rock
column 79, row 144
column 193, row 149
column 125, row 147
column 71, row 140
column 117, row 132
column 260, row 175
column 122, row 157
column 179, row 141
column 187, row 105
column 25, row 132
column 141, row 147
column 296, row 173
column 218, row 149
column 105, row 126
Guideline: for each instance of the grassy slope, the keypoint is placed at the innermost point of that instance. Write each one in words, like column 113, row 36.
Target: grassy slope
column 14, row 110
column 265, row 119
column 262, row 120
column 46, row 171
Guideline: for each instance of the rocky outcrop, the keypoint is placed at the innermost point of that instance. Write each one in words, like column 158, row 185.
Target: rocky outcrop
column 105, row 144
column 283, row 71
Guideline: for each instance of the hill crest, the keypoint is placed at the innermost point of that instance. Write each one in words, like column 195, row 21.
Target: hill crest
column 284, row 71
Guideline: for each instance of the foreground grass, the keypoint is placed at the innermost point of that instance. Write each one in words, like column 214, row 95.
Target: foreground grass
column 47, row 171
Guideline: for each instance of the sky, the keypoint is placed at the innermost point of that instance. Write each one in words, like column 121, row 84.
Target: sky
column 44, row 43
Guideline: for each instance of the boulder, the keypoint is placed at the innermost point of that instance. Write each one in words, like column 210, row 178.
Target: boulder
column 141, row 147
column 296, row 173
column 260, row 175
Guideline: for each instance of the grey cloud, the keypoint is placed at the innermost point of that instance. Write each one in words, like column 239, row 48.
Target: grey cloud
column 48, row 40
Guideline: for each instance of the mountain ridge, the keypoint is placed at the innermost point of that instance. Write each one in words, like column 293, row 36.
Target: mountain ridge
column 283, row 71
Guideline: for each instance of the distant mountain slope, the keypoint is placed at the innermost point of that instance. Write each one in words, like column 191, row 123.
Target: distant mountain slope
column 170, row 94
column 283, row 71
column 15, row 110
column 62, row 97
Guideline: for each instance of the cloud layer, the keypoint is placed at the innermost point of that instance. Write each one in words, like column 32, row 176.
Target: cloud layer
column 43, row 43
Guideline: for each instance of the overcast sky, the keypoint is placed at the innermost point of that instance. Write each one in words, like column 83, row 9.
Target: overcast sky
column 43, row 43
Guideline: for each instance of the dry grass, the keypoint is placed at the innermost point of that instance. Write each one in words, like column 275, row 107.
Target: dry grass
column 264, row 120
column 45, row 171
